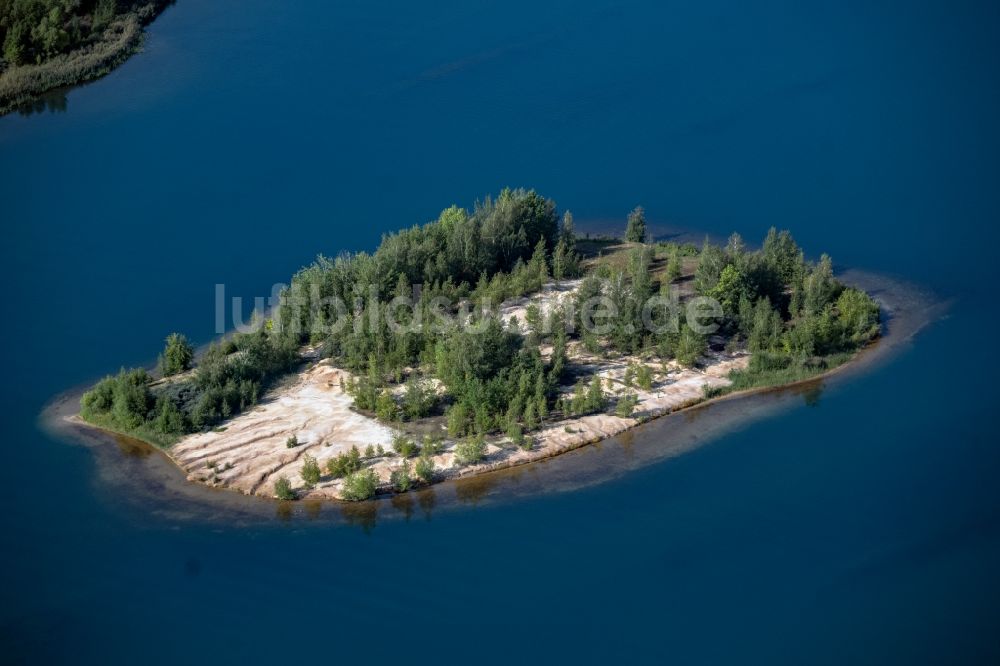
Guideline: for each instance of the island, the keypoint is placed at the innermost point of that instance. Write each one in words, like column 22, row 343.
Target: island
column 488, row 338
column 48, row 44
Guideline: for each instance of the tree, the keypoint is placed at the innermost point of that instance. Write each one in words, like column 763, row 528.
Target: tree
column 169, row 419
column 470, row 450
column 644, row 377
column 177, row 356
column 859, row 314
column 711, row 261
column 419, row 399
column 425, row 469
column 283, row 489
column 360, row 485
column 595, row 395
column 567, row 232
column 404, row 446
column 310, row 471
column 635, row 230
column 400, row 478
column 673, row 264
column 732, row 287
column 690, row 347
column 385, row 406
column 626, row 405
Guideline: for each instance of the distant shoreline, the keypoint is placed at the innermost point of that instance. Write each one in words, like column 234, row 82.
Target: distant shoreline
column 20, row 85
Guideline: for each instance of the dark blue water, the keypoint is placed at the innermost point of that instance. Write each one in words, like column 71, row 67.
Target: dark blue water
column 250, row 136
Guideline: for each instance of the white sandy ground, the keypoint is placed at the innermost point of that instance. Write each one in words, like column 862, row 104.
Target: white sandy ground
column 249, row 452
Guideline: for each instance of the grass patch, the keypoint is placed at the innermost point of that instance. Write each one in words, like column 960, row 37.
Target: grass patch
column 768, row 370
column 143, row 432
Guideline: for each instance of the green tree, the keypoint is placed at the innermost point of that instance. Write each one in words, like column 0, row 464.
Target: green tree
column 635, row 229
column 425, row 469
column 177, row 356
column 418, row 399
column 470, row 450
column 859, row 314
column 404, row 446
column 596, row 400
column 400, row 478
column 283, row 489
column 310, row 471
column 626, row 405
column 673, row 264
column 732, row 287
column 385, row 406
column 360, row 485
column 711, row 262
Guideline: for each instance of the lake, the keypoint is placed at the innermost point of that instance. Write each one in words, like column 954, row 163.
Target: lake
column 858, row 522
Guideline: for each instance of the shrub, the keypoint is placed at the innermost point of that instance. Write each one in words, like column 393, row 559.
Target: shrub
column 310, row 471
column 431, row 446
column 418, row 400
column 385, row 407
column 644, row 377
column 177, row 356
column 626, row 405
column 470, row 450
column 360, row 485
column 283, row 489
column 404, row 446
column 400, row 478
column 425, row 469
column 344, row 463
column 516, row 434
column 291, row 442
column 369, row 451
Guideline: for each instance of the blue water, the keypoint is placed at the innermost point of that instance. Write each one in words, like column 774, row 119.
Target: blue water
column 250, row 136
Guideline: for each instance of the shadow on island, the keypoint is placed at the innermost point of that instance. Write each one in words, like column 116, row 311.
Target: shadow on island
column 138, row 480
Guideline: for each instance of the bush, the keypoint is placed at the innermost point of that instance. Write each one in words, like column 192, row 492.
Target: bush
column 418, row 400
column 385, row 407
column 177, row 356
column 644, row 377
column 626, row 405
column 344, row 463
column 310, row 471
column 431, row 446
column 360, row 485
column 516, row 434
column 425, row 469
column 292, row 442
column 470, row 450
column 404, row 446
column 283, row 489
column 400, row 478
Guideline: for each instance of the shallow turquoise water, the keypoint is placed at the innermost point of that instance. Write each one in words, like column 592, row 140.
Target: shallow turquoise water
column 250, row 136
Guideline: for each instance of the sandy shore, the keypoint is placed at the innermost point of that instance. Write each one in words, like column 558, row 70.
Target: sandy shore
column 143, row 481
column 250, row 452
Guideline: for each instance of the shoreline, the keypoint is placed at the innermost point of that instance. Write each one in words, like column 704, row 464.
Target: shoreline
column 896, row 333
column 24, row 85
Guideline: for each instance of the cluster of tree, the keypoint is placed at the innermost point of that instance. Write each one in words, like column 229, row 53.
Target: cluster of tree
column 32, row 31
column 587, row 398
column 494, row 379
column 229, row 378
column 777, row 301
column 505, row 247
